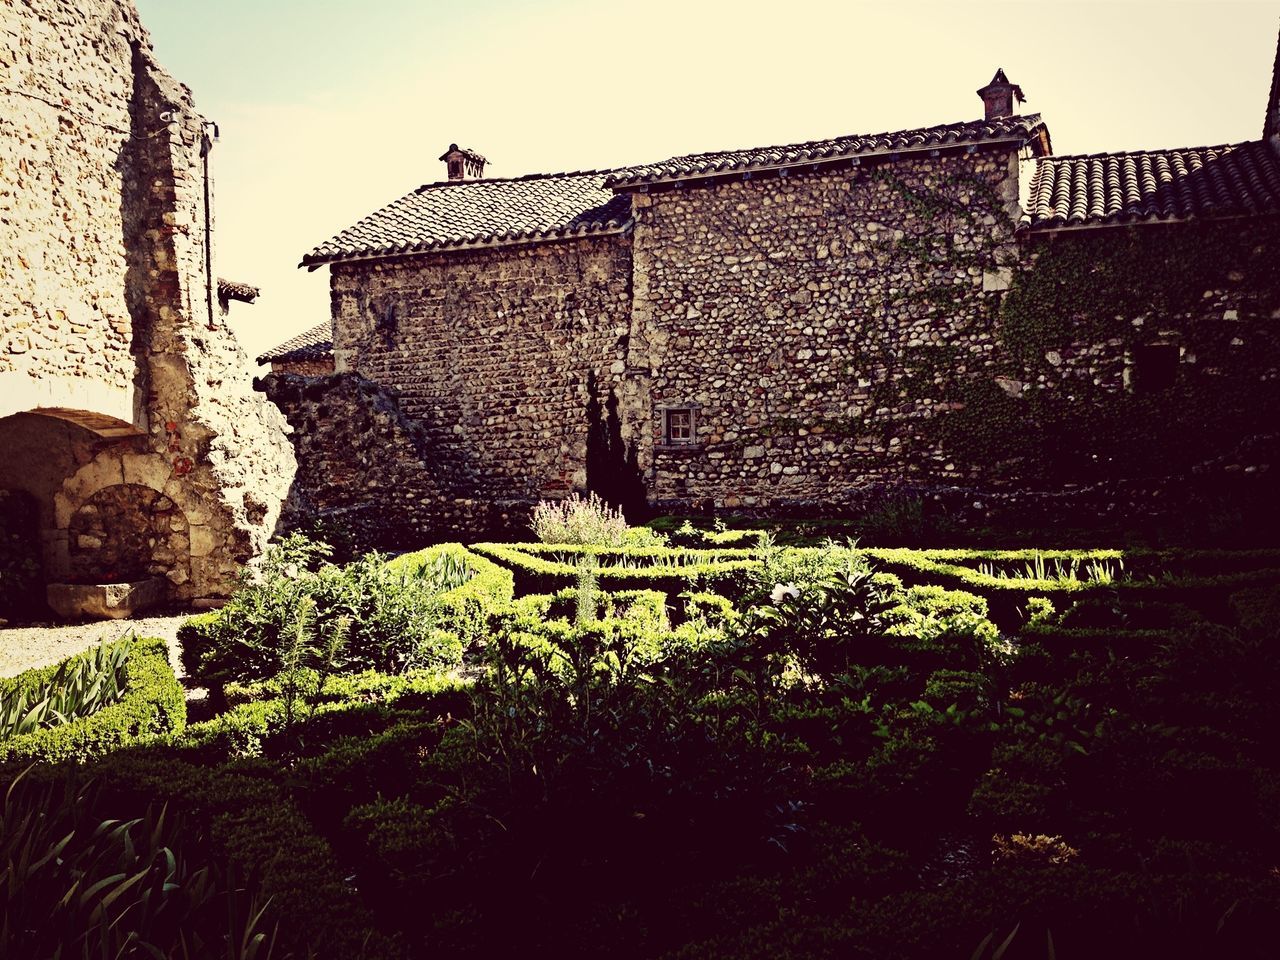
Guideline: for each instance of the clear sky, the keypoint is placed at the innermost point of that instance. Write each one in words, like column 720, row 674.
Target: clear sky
column 329, row 109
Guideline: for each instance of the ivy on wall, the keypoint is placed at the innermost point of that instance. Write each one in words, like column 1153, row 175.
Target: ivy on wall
column 1080, row 308
column 1056, row 405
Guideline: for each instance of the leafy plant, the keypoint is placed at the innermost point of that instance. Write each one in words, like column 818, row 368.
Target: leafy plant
column 389, row 615
column 78, row 885
column 81, row 687
column 1071, row 569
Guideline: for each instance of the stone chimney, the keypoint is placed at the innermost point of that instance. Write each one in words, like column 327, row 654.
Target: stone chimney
column 463, row 164
column 1001, row 97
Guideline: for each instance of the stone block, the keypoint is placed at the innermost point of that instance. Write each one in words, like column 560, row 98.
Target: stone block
column 104, row 601
column 996, row 280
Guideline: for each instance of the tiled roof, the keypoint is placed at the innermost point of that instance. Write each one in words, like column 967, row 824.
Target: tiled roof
column 1197, row 182
column 446, row 215
column 313, row 344
column 821, row 151
column 231, row 290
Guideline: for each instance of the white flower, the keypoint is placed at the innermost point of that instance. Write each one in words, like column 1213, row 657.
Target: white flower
column 782, row 590
column 291, row 571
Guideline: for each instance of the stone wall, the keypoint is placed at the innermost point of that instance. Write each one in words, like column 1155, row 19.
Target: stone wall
column 108, row 314
column 788, row 312
column 841, row 336
column 366, row 475
column 66, row 87
column 493, row 352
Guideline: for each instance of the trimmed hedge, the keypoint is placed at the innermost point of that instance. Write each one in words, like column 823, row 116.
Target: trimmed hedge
column 1193, row 574
column 534, row 573
column 154, row 705
column 259, row 712
column 466, row 607
column 648, row 607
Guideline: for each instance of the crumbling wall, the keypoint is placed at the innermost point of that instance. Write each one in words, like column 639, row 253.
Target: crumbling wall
column 366, row 474
column 107, row 290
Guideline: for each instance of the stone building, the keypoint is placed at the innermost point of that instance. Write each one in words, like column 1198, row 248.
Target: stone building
column 130, row 427
column 309, row 354
column 803, row 327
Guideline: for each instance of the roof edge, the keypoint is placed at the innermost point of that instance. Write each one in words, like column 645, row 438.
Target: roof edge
column 1026, row 229
column 611, row 228
column 1037, row 132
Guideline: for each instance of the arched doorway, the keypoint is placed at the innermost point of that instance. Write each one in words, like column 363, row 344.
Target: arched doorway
column 127, row 532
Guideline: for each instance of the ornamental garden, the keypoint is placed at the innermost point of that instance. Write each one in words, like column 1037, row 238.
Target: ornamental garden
column 664, row 741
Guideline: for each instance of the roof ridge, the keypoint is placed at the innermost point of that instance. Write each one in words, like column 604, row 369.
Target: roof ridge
column 842, row 136
column 522, row 178
column 1134, row 153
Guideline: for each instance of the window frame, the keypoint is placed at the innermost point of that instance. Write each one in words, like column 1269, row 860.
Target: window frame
column 666, row 412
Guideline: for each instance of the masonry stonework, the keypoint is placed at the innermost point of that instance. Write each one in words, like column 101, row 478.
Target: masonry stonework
column 953, row 312
column 494, row 354
column 114, row 359
column 787, row 311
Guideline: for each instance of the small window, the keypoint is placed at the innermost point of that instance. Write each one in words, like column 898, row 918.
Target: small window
column 1154, row 367
column 678, row 426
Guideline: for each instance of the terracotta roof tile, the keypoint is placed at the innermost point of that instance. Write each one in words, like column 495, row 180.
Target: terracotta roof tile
column 231, row 290
column 453, row 214
column 440, row 216
column 820, row 151
column 1196, row 182
column 313, row 344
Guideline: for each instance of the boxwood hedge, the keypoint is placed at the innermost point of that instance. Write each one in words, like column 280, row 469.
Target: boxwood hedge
column 153, row 705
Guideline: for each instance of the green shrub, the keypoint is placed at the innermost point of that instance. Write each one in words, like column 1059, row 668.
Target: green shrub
column 153, row 705
column 261, row 721
column 463, row 610
column 79, row 686
column 546, row 568
column 417, row 611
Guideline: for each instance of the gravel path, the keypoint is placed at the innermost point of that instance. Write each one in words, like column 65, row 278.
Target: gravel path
column 22, row 648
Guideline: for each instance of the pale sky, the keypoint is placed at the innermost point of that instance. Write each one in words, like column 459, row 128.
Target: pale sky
column 329, row 109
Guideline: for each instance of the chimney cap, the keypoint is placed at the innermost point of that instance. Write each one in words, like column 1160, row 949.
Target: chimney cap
column 468, row 154
column 463, row 164
column 1001, row 82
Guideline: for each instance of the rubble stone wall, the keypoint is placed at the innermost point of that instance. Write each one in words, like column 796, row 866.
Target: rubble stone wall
column 786, row 311
column 842, row 336
column 493, row 352
column 883, row 325
column 108, row 315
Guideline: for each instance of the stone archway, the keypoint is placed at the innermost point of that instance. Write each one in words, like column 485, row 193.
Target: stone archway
column 128, row 532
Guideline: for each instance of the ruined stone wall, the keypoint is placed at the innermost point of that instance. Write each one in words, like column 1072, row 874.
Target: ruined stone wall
column 788, row 312
column 365, row 477
column 304, row 368
column 65, row 115
column 108, row 314
column 492, row 352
